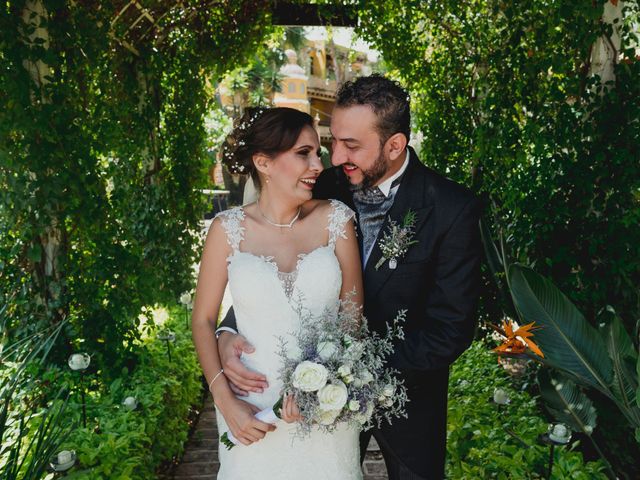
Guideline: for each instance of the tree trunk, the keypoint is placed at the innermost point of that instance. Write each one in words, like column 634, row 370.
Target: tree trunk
column 605, row 51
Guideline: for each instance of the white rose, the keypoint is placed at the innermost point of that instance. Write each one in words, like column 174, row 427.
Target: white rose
column 366, row 376
column 389, row 390
column 344, row 370
column 333, row 396
column 327, row 417
column 327, row 349
column 354, row 405
column 310, row 376
column 357, row 383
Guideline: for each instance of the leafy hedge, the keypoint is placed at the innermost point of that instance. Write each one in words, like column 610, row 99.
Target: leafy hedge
column 123, row 444
column 478, row 444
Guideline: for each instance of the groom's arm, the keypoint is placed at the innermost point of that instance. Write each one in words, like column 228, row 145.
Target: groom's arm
column 231, row 346
column 450, row 313
column 228, row 324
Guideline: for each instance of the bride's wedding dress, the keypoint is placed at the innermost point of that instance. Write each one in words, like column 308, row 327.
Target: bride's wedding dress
column 265, row 302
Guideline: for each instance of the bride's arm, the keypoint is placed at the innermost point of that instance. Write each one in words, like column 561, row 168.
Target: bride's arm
column 212, row 280
column 349, row 258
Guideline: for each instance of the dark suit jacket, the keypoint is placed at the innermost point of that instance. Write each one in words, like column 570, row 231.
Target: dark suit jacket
column 437, row 282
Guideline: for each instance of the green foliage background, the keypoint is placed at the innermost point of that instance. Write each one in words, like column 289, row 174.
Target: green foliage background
column 108, row 154
column 502, row 93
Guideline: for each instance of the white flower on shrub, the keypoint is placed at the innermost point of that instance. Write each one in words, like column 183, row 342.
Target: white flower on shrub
column 333, row 396
column 185, row 298
column 310, row 376
column 327, row 349
column 500, row 397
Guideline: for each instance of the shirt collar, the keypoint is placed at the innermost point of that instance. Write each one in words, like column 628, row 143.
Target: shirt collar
column 385, row 187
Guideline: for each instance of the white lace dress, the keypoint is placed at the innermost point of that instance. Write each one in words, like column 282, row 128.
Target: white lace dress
column 264, row 305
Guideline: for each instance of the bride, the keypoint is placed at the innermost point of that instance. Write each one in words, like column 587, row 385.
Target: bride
column 280, row 253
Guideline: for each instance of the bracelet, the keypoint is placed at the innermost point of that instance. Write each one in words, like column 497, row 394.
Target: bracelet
column 214, row 378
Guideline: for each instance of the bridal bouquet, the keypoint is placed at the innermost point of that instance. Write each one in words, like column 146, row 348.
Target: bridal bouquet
column 338, row 373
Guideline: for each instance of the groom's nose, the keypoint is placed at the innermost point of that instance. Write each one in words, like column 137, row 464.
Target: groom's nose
column 338, row 154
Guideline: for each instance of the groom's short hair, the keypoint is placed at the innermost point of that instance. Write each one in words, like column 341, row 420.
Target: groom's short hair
column 389, row 101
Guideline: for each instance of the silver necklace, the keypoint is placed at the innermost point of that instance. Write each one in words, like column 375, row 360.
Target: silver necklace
column 280, row 225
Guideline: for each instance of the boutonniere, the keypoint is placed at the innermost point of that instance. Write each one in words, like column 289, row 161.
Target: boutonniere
column 397, row 240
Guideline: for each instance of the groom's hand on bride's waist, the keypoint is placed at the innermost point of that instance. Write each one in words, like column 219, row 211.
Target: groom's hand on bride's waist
column 241, row 380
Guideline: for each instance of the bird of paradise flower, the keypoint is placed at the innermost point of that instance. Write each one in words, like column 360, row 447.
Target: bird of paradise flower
column 517, row 341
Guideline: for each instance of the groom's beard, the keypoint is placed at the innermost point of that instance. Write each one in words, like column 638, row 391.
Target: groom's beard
column 375, row 173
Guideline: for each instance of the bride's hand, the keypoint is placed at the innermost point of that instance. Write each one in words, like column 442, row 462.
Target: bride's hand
column 240, row 419
column 290, row 412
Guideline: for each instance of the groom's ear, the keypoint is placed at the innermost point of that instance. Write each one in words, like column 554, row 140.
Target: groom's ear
column 396, row 145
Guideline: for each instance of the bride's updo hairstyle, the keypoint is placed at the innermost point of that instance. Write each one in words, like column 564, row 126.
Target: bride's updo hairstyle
column 268, row 131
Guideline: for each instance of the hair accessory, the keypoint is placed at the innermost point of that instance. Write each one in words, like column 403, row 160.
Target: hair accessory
column 239, row 132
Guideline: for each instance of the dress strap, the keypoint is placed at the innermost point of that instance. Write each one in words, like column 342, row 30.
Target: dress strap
column 232, row 223
column 339, row 215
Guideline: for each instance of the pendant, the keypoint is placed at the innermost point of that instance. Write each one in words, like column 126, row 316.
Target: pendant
column 393, row 263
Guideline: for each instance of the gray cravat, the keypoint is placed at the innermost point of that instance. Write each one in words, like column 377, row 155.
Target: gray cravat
column 372, row 207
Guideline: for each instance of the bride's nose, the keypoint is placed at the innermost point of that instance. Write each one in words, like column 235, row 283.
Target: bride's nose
column 316, row 164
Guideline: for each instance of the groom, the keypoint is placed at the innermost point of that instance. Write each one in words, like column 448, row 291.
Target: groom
column 378, row 175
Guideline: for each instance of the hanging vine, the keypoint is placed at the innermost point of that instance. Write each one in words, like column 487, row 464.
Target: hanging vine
column 102, row 153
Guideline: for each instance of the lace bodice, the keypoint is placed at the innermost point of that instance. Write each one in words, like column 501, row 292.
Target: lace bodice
column 233, row 224
column 267, row 305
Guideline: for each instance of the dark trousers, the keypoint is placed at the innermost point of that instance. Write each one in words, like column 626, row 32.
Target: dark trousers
column 395, row 468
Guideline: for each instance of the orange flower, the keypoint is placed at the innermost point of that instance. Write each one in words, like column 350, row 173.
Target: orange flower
column 519, row 340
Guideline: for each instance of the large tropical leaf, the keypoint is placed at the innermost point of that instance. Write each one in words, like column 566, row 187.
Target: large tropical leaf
column 625, row 378
column 567, row 340
column 566, row 402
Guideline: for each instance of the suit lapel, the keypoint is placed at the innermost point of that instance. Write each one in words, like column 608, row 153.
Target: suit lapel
column 410, row 196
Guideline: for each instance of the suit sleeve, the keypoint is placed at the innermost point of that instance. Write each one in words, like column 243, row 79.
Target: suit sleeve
column 450, row 313
column 228, row 324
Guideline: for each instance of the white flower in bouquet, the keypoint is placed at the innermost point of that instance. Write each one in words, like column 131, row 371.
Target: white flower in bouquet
column 366, row 377
column 327, row 417
column 338, row 374
column 364, row 418
column 333, row 396
column 389, row 390
column 327, row 350
column 310, row 376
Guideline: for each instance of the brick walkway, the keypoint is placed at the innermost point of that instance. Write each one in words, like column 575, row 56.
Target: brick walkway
column 200, row 460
